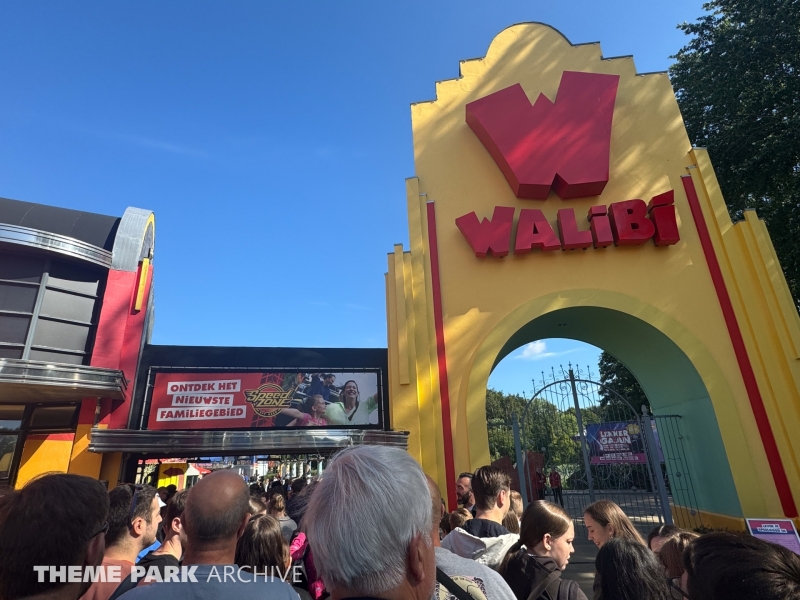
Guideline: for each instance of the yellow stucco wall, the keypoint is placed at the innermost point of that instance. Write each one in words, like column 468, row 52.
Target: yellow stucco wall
column 44, row 453
column 487, row 300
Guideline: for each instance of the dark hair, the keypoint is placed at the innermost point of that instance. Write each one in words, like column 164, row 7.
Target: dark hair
column 487, row 482
column 50, row 521
column 298, row 485
column 630, row 571
column 175, row 508
column 467, row 475
column 541, row 517
column 606, row 513
column 671, row 553
column 664, row 531
column 445, row 526
column 256, row 505
column 262, row 546
column 344, row 398
column 300, row 502
column 119, row 512
column 730, row 566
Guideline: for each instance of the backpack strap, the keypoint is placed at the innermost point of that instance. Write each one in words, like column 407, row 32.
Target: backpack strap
column 537, row 591
column 451, row 586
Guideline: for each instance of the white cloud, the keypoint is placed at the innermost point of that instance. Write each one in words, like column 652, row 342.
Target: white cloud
column 537, row 351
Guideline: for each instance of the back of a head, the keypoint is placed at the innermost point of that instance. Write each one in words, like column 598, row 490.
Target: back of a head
column 607, row 513
column 458, row 517
column 120, row 514
column 257, row 507
column 175, row 507
column 539, row 518
column 262, row 547
column 511, row 522
column 216, row 508
column 360, row 541
column 298, row 485
column 516, row 504
column 671, row 554
column 732, row 567
column 630, row 571
column 486, row 484
column 277, row 504
column 664, row 531
column 48, row 522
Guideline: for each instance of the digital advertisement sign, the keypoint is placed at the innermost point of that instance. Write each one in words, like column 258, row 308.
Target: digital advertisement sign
column 264, row 400
column 618, row 442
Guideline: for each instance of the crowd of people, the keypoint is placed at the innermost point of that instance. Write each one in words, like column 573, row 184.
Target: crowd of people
column 374, row 526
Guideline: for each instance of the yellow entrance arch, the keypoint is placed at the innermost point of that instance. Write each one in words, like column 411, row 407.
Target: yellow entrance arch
column 494, row 259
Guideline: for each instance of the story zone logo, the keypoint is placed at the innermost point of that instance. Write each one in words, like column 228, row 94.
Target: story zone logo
column 563, row 146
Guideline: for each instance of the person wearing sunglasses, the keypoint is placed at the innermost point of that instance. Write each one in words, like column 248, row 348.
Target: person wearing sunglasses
column 56, row 520
column 134, row 518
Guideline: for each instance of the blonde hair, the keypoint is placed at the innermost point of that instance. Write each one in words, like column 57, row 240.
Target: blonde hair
column 458, row 517
column 606, row 513
column 277, row 504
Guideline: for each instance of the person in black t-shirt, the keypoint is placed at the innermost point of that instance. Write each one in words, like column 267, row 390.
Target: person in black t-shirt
column 492, row 490
column 170, row 552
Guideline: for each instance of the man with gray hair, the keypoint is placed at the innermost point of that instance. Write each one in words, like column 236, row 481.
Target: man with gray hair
column 368, row 523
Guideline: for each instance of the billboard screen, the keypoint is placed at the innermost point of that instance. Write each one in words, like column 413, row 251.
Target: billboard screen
column 264, row 400
column 617, row 442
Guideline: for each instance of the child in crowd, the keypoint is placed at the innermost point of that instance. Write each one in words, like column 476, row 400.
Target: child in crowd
column 532, row 567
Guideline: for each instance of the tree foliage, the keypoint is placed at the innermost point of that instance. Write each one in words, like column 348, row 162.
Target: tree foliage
column 738, row 87
column 617, row 377
column 542, row 425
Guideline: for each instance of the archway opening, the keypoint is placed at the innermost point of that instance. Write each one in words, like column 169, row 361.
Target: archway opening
column 693, row 452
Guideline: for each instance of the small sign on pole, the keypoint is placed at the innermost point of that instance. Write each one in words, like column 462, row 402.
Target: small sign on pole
column 777, row 531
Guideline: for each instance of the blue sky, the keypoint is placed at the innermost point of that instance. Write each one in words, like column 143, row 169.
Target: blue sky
column 272, row 140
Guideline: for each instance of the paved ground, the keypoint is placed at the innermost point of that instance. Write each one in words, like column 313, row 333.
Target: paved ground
column 581, row 565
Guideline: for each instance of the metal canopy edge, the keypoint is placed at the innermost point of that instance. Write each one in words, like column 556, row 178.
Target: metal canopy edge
column 234, row 441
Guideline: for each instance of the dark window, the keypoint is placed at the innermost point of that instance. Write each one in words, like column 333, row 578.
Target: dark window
column 53, row 417
column 11, row 351
column 57, row 334
column 18, row 420
column 54, row 356
column 63, row 305
column 8, row 444
column 20, row 267
column 14, row 328
column 21, row 298
column 11, row 416
column 60, row 298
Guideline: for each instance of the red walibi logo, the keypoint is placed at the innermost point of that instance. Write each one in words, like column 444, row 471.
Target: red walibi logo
column 563, row 145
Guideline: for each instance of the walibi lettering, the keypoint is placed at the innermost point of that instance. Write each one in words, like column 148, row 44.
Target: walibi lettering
column 627, row 223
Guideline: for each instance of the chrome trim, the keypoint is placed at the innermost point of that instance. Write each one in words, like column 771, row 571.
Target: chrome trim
column 53, row 242
column 206, row 443
column 55, row 380
column 134, row 239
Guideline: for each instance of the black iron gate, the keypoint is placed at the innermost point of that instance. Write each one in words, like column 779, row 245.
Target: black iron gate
column 589, row 437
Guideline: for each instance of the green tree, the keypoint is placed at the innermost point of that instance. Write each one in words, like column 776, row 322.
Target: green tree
column 616, row 376
column 738, row 86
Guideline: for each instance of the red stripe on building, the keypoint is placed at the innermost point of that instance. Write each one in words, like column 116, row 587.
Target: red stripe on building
column 444, row 388
column 739, row 348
